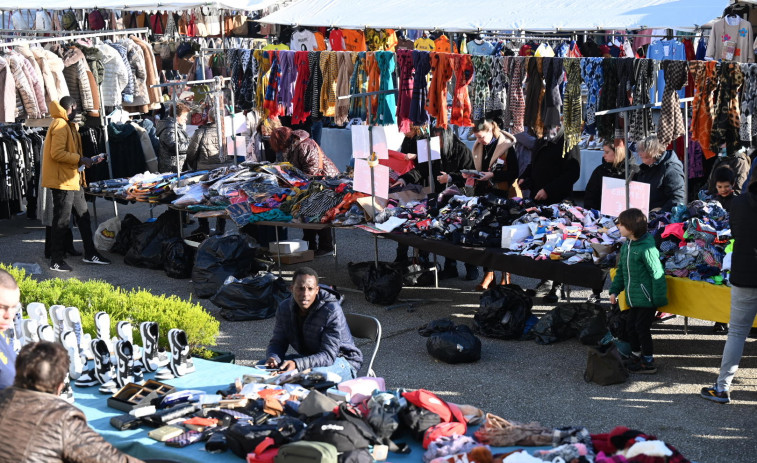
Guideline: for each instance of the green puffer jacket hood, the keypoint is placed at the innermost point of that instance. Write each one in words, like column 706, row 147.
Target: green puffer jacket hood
column 640, row 273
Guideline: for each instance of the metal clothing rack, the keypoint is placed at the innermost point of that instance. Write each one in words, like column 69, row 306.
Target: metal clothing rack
column 27, row 41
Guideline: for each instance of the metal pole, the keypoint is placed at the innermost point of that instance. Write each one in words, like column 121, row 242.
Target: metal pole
column 176, row 150
column 104, row 122
column 686, row 152
column 233, row 125
column 628, row 167
column 219, row 120
column 372, row 158
column 202, row 63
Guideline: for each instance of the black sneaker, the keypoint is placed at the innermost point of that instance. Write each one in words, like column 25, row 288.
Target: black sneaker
column 643, row 367
column 711, row 393
column 594, row 299
column 96, row 259
column 720, row 328
column 60, row 265
column 472, row 274
column 323, row 252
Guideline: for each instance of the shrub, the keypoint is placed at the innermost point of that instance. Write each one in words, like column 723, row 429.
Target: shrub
column 136, row 305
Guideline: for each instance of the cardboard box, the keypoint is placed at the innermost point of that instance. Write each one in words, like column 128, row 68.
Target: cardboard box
column 288, row 247
column 297, row 257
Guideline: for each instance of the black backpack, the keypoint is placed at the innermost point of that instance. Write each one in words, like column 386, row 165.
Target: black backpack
column 383, row 414
column 503, row 312
column 418, row 420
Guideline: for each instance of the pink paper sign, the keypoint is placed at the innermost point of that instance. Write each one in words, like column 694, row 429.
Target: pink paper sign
column 363, row 179
column 614, row 196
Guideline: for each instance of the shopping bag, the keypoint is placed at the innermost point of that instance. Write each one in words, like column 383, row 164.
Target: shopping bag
column 105, row 235
column 604, row 366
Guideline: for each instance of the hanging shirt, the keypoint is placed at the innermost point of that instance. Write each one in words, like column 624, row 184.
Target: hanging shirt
column 424, row 44
column 276, row 46
column 322, row 44
column 480, row 47
column 336, row 39
column 354, row 40
column 391, row 40
column 303, row 40
column 405, row 44
column 665, row 49
column 443, row 44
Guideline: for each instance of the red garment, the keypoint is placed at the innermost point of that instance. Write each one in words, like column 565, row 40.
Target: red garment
column 397, row 162
column 336, row 38
column 405, row 74
column 301, row 84
column 441, row 68
column 461, row 105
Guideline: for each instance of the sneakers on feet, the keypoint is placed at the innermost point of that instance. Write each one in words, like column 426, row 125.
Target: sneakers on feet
column 641, row 366
column 472, row 274
column 720, row 328
column 594, row 299
column 60, row 265
column 711, row 393
column 323, row 252
column 96, row 259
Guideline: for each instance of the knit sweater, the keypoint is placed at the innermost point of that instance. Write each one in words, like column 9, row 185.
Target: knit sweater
column 723, row 32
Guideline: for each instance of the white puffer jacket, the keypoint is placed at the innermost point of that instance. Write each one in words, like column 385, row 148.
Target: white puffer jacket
column 75, row 72
column 137, row 62
column 24, row 88
column 115, row 78
column 52, row 74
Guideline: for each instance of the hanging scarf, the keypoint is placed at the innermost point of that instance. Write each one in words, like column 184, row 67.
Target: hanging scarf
column 624, row 95
column 346, row 65
column 264, row 69
column 725, row 127
column 671, row 125
column 572, row 105
column 461, row 104
column 329, row 73
column 591, row 72
column 748, row 96
column 374, row 79
column 272, row 89
column 534, row 95
column 498, row 97
column 516, row 106
column 480, row 88
column 640, row 125
column 358, row 84
column 422, row 66
column 553, row 76
column 405, row 72
column 313, row 91
column 441, row 69
column 250, row 80
column 387, row 105
column 705, row 81
column 606, row 123
column 287, row 81
column 299, row 115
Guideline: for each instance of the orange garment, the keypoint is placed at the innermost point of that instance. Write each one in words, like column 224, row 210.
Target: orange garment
column 320, row 41
column 461, row 105
column 443, row 44
column 441, row 68
column 705, row 82
column 374, row 79
column 354, row 40
column 391, row 40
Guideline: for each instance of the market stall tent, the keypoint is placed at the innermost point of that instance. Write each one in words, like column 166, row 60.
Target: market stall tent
column 162, row 5
column 500, row 15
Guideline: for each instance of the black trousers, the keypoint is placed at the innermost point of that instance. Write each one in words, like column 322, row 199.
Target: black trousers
column 66, row 202
column 638, row 329
column 325, row 242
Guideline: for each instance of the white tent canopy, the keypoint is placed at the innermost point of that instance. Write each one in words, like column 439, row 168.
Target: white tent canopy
column 162, row 5
column 500, row 15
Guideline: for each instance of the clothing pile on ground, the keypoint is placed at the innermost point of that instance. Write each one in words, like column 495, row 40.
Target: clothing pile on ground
column 248, row 193
column 694, row 241
column 557, row 232
column 316, row 414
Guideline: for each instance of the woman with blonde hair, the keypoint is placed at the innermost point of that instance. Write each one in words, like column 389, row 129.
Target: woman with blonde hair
column 613, row 166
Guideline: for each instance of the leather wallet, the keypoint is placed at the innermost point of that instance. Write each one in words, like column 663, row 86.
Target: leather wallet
column 124, row 422
column 164, row 433
column 216, row 443
column 189, row 437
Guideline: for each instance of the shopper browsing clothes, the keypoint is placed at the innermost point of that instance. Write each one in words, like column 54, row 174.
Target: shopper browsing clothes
column 641, row 275
column 663, row 172
column 312, row 322
column 61, row 162
column 9, row 306
column 40, row 426
column 304, row 153
column 743, row 279
column 204, row 153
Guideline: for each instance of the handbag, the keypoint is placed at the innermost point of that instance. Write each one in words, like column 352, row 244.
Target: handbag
column 604, row 366
column 264, row 452
column 239, row 25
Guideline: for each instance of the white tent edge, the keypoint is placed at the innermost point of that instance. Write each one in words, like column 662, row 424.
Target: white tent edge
column 168, row 5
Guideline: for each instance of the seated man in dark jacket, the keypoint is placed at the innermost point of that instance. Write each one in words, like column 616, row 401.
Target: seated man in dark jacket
column 40, row 426
column 312, row 322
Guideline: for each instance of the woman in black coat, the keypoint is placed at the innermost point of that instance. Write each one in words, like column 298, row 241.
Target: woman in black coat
column 614, row 166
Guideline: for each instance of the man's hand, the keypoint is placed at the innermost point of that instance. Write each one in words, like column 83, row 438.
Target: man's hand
column 443, row 178
column 541, row 195
column 613, row 299
column 399, row 182
column 288, row 365
column 271, row 363
column 485, row 176
column 86, row 162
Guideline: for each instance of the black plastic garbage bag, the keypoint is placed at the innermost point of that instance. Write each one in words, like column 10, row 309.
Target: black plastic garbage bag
column 147, row 245
column 251, row 298
column 382, row 285
column 436, row 326
column 503, row 312
column 220, row 257
column 178, row 258
column 458, row 345
column 359, row 271
column 124, row 238
column 566, row 321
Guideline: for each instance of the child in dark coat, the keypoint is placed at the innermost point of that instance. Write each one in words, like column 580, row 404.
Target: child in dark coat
column 724, row 183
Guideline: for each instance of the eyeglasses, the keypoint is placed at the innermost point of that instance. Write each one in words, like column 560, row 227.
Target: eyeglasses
column 10, row 309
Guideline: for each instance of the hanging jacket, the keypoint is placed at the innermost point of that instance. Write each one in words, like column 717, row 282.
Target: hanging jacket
column 75, row 73
column 154, row 95
column 94, row 59
column 128, row 91
column 593, row 192
column 61, row 153
column 167, row 160
column 640, row 274
column 204, row 151
column 51, row 67
column 666, row 181
column 33, row 75
column 151, row 160
column 743, row 221
column 24, row 88
column 126, row 155
column 305, row 154
column 137, row 63
column 7, row 93
column 115, row 76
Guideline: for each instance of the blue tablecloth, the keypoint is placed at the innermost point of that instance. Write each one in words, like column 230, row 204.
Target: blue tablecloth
column 209, row 377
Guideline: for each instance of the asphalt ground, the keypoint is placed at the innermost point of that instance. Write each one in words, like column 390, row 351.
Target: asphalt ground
column 520, row 381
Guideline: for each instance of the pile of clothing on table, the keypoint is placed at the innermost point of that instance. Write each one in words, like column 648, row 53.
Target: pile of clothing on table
column 557, row 232
column 694, row 241
column 315, row 414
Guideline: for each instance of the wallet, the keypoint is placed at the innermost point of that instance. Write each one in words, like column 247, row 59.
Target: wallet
column 216, row 443
column 186, row 438
column 124, row 422
column 164, row 433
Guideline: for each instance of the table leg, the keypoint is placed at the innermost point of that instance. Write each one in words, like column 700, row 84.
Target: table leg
column 333, row 240
column 278, row 249
column 436, row 272
column 686, row 325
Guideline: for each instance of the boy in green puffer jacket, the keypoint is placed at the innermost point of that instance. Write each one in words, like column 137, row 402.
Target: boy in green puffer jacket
column 641, row 275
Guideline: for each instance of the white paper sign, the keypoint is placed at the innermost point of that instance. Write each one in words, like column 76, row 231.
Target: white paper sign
column 380, row 146
column 362, row 181
column 614, row 196
column 240, row 123
column 433, row 146
column 361, row 142
column 241, row 148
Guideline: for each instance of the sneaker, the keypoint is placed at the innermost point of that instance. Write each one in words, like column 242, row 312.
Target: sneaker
column 472, row 274
column 720, row 328
column 712, row 393
column 323, row 252
column 594, row 299
column 96, row 259
column 60, row 265
column 642, row 367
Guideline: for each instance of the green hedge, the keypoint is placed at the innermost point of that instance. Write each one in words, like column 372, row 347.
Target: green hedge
column 135, row 305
